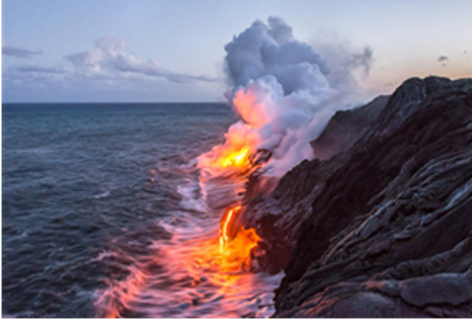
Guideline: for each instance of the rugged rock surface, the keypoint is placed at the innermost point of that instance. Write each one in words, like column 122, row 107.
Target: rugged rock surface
column 382, row 228
column 345, row 127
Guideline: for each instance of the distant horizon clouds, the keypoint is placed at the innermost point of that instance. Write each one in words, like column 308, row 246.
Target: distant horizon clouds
column 147, row 51
column 107, row 62
column 18, row 52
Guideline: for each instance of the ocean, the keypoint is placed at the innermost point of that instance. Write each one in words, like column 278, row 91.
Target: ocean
column 103, row 214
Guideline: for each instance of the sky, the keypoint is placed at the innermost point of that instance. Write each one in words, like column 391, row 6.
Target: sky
column 173, row 51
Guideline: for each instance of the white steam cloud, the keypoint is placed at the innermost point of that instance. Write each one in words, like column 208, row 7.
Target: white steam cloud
column 285, row 91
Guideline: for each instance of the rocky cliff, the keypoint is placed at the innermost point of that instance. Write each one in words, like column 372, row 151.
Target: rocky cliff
column 345, row 127
column 380, row 224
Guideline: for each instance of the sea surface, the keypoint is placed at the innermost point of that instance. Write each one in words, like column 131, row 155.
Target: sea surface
column 104, row 214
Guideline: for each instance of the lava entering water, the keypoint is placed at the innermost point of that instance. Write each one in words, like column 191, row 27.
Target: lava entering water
column 233, row 159
column 236, row 243
column 241, row 140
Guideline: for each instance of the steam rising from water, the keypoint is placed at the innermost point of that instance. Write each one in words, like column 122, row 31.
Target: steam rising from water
column 285, row 93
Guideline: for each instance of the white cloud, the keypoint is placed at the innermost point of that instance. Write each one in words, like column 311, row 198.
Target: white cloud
column 108, row 61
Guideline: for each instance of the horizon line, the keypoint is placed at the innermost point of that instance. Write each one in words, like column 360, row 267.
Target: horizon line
column 117, row 102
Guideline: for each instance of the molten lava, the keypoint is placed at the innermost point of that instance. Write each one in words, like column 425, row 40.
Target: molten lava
column 237, row 159
column 241, row 140
column 236, row 242
column 233, row 159
column 224, row 237
column 234, row 155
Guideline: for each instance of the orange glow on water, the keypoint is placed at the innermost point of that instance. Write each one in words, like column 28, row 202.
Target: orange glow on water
column 194, row 269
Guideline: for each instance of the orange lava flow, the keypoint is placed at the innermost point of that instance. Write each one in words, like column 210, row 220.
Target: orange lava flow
column 241, row 140
column 237, row 158
column 224, row 237
column 236, row 242
column 234, row 155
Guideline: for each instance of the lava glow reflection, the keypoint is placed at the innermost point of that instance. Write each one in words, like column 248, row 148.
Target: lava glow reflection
column 194, row 274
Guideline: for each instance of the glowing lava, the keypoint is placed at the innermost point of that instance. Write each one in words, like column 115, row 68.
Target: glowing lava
column 241, row 140
column 224, row 233
column 234, row 155
column 237, row 159
column 236, row 242
column 233, row 159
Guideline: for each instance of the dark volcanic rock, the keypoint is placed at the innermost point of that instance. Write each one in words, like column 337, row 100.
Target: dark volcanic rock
column 383, row 228
column 345, row 127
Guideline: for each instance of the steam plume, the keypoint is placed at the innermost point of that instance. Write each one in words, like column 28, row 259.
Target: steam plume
column 284, row 93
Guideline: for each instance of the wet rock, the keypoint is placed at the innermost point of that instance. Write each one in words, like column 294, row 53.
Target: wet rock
column 381, row 225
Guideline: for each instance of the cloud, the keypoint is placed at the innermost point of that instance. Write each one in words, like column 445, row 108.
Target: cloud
column 442, row 58
column 40, row 69
column 104, row 72
column 108, row 61
column 107, row 68
column 270, row 49
column 18, row 52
